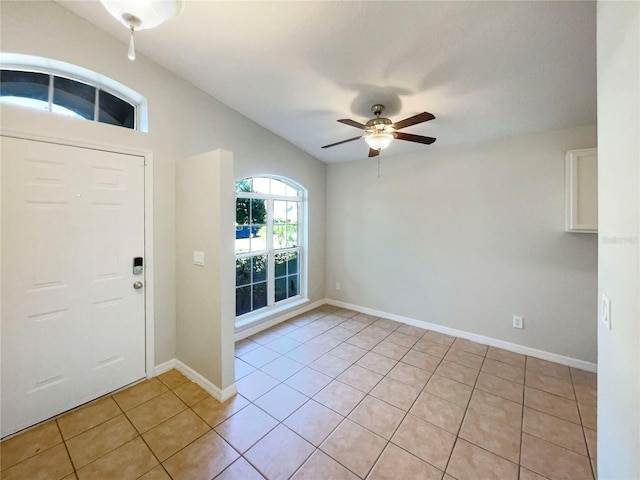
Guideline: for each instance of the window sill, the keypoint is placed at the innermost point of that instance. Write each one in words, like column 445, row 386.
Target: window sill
column 264, row 315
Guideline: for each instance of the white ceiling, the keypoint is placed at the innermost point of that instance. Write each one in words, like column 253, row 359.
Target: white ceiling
column 486, row 70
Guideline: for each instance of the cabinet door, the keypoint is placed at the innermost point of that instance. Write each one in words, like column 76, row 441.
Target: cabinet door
column 582, row 190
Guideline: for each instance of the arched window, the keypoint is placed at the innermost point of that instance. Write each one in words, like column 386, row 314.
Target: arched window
column 66, row 89
column 269, row 244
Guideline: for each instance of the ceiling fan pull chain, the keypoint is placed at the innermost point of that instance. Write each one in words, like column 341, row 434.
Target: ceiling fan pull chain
column 132, row 47
column 379, row 155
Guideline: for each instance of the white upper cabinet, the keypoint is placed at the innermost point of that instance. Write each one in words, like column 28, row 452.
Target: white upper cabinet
column 582, row 190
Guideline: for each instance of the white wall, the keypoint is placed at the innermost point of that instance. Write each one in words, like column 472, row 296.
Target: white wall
column 466, row 237
column 618, row 267
column 183, row 121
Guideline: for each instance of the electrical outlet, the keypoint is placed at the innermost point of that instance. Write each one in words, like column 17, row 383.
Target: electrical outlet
column 606, row 311
column 337, row 285
column 518, row 322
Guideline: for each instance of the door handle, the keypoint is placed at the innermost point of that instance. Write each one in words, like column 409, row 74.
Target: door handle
column 137, row 285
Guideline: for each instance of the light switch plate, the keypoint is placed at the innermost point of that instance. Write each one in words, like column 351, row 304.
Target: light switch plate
column 606, row 311
column 198, row 258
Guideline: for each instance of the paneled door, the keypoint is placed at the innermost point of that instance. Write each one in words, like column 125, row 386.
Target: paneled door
column 73, row 325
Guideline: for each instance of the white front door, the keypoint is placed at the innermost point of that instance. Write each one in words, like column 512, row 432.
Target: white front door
column 73, row 325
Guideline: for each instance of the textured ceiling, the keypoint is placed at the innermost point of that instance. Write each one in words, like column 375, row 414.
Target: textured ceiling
column 486, row 70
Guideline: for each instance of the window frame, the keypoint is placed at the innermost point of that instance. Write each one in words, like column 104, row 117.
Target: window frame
column 55, row 68
column 270, row 252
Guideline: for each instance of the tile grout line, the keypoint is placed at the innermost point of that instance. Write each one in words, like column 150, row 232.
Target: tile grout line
column 552, row 414
column 212, row 429
column 346, row 417
column 522, row 431
column 375, row 462
column 188, row 407
column 466, row 409
column 407, row 413
column 524, row 387
column 73, row 465
column 281, row 422
column 568, row 449
column 123, row 413
column 408, row 410
column 315, row 448
column 502, row 398
column 584, row 435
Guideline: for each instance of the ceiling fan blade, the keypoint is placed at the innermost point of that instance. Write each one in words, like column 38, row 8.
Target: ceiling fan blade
column 407, row 122
column 352, row 123
column 343, row 141
column 373, row 153
column 415, row 138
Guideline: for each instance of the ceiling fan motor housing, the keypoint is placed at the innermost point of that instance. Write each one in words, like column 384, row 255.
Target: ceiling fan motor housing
column 379, row 124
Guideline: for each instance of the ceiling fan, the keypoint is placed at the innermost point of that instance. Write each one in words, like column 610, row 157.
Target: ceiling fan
column 381, row 131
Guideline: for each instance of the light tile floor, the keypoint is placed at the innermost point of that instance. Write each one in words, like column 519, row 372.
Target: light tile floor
column 333, row 394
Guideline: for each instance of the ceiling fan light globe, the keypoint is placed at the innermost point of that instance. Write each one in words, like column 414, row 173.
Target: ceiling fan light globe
column 150, row 13
column 378, row 141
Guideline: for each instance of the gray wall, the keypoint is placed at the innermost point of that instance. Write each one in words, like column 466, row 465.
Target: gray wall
column 618, row 267
column 183, row 121
column 466, row 237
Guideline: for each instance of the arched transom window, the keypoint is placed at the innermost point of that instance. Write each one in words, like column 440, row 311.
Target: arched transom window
column 53, row 86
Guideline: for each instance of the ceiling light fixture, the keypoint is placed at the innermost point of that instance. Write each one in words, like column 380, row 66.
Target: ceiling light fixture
column 379, row 141
column 140, row 15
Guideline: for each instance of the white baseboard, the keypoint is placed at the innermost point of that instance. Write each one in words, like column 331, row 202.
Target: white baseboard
column 219, row 394
column 163, row 367
column 493, row 342
column 252, row 330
